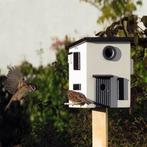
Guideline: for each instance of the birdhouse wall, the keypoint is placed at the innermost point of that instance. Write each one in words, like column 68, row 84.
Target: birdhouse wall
column 77, row 77
column 98, row 65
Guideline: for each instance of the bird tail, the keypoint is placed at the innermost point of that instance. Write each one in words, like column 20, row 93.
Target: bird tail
column 88, row 101
column 8, row 105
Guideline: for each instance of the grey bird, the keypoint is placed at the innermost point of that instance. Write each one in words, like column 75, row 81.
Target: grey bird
column 78, row 98
column 17, row 86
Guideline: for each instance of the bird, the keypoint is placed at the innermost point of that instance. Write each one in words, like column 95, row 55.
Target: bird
column 16, row 85
column 78, row 98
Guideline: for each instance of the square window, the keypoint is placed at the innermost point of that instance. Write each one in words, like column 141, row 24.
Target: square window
column 76, row 86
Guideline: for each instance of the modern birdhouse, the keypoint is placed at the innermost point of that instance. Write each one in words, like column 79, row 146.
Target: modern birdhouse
column 100, row 68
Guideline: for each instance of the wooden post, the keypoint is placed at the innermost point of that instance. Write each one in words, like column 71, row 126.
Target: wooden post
column 100, row 127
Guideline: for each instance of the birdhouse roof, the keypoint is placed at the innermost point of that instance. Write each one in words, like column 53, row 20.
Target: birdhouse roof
column 101, row 39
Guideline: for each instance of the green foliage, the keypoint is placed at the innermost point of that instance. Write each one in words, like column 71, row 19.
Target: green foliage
column 111, row 10
column 127, row 130
column 46, row 105
column 52, row 123
column 43, row 118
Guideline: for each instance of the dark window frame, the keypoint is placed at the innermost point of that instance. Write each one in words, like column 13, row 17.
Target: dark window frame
column 77, row 86
column 76, row 60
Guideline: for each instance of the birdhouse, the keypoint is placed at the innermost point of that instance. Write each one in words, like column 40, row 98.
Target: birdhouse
column 100, row 68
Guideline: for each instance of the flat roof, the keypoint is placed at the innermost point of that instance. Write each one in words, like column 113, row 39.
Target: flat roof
column 106, row 39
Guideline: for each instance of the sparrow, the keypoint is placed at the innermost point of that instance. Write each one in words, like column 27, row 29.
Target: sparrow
column 17, row 86
column 78, row 98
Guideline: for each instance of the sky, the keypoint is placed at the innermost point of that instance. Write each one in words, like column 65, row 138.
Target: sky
column 28, row 25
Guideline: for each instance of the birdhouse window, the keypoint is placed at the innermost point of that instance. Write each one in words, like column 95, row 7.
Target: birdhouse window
column 121, row 88
column 76, row 61
column 76, row 86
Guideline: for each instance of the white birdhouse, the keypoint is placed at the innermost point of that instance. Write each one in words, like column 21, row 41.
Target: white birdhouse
column 100, row 68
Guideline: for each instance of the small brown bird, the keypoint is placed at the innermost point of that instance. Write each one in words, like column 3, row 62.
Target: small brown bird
column 78, row 98
column 17, row 86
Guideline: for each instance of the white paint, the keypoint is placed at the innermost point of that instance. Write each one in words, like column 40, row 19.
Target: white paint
column 78, row 76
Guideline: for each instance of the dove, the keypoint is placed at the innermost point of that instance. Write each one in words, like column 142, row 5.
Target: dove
column 17, row 86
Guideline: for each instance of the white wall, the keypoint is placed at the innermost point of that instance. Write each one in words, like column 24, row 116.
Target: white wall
column 97, row 64
column 78, row 76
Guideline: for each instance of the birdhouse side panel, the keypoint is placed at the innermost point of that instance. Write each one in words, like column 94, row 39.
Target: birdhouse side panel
column 77, row 68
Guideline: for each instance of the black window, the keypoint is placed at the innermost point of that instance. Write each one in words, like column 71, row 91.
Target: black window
column 76, row 86
column 76, row 60
column 121, row 88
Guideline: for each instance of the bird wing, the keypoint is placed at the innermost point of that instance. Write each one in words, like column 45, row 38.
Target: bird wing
column 76, row 96
column 85, row 99
column 14, row 80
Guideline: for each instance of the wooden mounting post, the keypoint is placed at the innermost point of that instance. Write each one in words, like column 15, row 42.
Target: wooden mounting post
column 100, row 127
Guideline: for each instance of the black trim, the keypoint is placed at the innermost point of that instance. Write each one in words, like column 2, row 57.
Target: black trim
column 70, row 53
column 103, row 39
column 76, row 61
column 121, row 88
column 103, row 76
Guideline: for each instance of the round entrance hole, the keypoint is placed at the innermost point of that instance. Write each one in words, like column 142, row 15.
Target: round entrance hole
column 102, row 86
column 109, row 52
